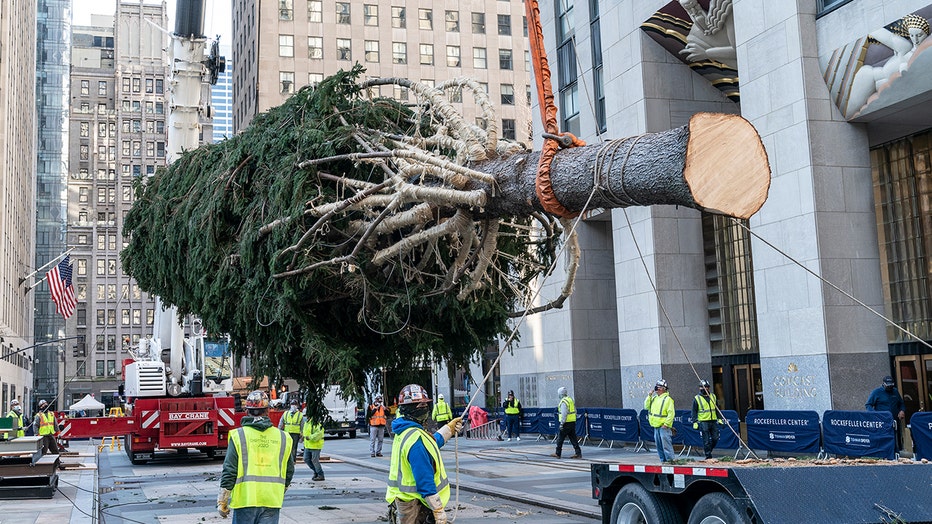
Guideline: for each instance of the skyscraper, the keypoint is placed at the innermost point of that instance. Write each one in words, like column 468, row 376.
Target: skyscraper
column 117, row 134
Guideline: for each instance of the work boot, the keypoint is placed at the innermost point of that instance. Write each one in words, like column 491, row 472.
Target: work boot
column 378, row 454
column 318, row 477
column 577, row 456
column 372, row 455
column 554, row 455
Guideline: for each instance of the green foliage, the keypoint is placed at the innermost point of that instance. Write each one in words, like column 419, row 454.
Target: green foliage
column 195, row 241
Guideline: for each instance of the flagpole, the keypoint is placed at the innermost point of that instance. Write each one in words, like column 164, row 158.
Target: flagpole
column 53, row 261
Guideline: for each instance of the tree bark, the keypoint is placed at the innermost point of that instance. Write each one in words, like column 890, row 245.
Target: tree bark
column 716, row 163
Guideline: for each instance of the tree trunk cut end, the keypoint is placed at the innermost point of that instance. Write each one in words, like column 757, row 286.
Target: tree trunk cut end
column 726, row 165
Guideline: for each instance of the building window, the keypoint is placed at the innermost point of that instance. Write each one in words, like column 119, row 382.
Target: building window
column 478, row 58
column 508, row 128
column 286, row 82
column 453, row 56
column 137, row 317
column 314, row 79
column 85, row 152
column 101, row 267
column 566, row 67
column 124, row 317
column 150, row 316
column 100, row 368
column 508, row 95
column 595, row 41
column 111, row 367
column 315, row 47
column 504, row 25
column 400, row 93
column 729, row 286
column 827, row 6
column 159, row 86
column 399, row 53
column 427, row 54
column 101, row 321
column 125, row 84
column 505, row 61
column 372, row 51
column 286, row 45
column 150, row 85
column 85, row 129
column 85, row 87
column 286, row 9
column 150, row 149
column 370, row 14
column 425, row 19
column 315, row 11
column 398, row 18
column 343, row 13
column 344, row 49
column 452, row 19
column 478, row 23
column 82, row 368
column 137, row 84
column 82, row 265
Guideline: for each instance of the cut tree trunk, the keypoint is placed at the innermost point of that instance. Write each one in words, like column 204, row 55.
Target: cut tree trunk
column 715, row 163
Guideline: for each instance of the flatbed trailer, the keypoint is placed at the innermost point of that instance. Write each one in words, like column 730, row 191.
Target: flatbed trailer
column 769, row 493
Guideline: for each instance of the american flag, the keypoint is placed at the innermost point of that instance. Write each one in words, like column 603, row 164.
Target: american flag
column 59, row 279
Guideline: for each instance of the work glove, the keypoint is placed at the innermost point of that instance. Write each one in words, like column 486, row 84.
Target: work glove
column 436, row 506
column 721, row 422
column 451, row 429
column 223, row 503
column 695, row 425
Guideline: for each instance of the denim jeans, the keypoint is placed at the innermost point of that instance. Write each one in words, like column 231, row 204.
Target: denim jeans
column 312, row 459
column 256, row 515
column 376, row 436
column 663, row 439
column 514, row 425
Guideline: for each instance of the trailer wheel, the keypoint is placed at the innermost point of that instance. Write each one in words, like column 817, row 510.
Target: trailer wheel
column 636, row 505
column 717, row 508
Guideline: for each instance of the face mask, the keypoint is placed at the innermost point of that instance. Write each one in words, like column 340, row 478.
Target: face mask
column 18, row 409
column 294, row 408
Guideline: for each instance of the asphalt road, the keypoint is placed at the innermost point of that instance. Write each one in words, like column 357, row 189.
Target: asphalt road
column 497, row 482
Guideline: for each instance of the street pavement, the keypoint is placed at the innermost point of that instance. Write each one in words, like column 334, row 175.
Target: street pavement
column 493, row 480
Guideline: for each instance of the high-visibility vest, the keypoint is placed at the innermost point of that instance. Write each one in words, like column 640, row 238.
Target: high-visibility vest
column 512, row 408
column 378, row 416
column 570, row 409
column 706, row 408
column 313, row 435
column 20, row 431
column 293, row 422
column 401, row 484
column 261, row 467
column 442, row 412
column 660, row 413
column 46, row 423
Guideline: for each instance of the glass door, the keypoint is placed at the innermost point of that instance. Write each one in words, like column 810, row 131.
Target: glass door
column 749, row 392
column 914, row 377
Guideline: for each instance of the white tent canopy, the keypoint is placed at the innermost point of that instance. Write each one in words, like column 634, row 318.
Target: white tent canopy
column 86, row 403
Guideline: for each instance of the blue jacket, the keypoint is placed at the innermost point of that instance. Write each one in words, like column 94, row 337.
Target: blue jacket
column 421, row 465
column 880, row 400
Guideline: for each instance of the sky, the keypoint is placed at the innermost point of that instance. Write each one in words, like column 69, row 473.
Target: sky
column 217, row 17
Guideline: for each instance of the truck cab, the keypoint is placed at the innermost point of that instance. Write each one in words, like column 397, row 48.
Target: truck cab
column 341, row 413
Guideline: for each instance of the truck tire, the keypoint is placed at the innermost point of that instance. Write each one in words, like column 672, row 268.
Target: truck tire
column 717, row 508
column 129, row 452
column 636, row 505
column 352, row 434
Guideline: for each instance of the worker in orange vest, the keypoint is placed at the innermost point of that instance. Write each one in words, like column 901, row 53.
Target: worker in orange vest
column 376, row 415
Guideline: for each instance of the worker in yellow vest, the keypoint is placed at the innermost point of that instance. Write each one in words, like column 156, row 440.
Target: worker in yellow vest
column 16, row 413
column 258, row 467
column 417, row 480
column 705, row 417
column 660, row 415
column 46, row 427
column 512, row 408
column 566, row 415
column 313, row 434
column 442, row 413
column 292, row 422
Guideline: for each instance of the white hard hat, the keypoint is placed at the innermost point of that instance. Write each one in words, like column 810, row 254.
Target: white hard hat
column 440, row 396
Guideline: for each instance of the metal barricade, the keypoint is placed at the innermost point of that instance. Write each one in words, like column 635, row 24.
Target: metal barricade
column 488, row 431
